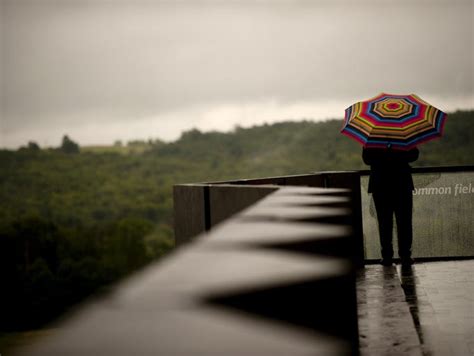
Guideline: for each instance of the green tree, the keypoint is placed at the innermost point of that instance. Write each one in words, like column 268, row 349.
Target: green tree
column 33, row 146
column 69, row 146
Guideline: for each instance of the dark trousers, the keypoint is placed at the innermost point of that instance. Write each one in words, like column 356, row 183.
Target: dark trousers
column 399, row 203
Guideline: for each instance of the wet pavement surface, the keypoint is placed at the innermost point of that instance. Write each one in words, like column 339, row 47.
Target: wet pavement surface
column 426, row 310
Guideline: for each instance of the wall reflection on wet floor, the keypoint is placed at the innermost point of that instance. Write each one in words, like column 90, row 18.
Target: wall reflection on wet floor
column 426, row 309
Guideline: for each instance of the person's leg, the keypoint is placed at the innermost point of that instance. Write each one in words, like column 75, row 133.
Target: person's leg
column 403, row 214
column 384, row 208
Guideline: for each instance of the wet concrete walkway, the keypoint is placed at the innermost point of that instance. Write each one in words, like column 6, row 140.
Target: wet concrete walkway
column 426, row 310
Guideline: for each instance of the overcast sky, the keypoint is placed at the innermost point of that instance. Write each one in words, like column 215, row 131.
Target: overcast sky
column 102, row 70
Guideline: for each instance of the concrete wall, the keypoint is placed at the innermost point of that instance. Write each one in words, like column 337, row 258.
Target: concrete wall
column 199, row 207
column 189, row 211
column 227, row 200
column 209, row 204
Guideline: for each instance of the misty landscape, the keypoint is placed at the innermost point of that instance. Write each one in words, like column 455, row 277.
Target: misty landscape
column 106, row 105
column 76, row 219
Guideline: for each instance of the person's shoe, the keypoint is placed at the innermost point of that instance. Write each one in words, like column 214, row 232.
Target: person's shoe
column 386, row 262
column 407, row 261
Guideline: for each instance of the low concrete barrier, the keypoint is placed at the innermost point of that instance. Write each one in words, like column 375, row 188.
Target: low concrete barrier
column 198, row 212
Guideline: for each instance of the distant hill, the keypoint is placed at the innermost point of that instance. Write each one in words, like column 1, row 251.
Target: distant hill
column 302, row 147
column 72, row 221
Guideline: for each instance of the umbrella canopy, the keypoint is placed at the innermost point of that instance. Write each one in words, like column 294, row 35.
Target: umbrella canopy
column 397, row 121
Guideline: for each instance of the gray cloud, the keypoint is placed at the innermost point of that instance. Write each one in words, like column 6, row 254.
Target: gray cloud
column 70, row 63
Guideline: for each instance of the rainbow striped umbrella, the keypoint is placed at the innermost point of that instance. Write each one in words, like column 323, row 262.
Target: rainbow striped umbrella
column 397, row 121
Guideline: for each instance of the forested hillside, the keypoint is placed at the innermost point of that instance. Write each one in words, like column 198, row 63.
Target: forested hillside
column 74, row 219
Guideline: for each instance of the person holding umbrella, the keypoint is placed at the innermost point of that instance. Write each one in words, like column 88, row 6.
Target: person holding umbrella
column 391, row 185
column 390, row 127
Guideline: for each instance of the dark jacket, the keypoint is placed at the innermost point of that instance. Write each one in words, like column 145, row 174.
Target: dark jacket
column 389, row 169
